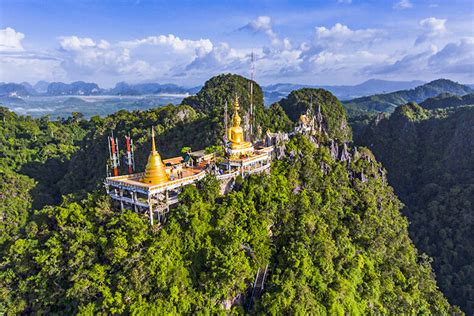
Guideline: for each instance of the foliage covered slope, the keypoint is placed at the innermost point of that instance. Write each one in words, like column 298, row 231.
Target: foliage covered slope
column 446, row 100
column 429, row 156
column 331, row 233
column 333, row 245
column 34, row 156
column 389, row 101
column 334, row 114
column 222, row 89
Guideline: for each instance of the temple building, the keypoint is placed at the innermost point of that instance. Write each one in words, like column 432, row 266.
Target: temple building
column 242, row 157
column 153, row 191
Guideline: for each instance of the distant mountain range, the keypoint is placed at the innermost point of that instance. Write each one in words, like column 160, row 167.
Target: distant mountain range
column 43, row 88
column 272, row 93
column 446, row 100
column 378, row 95
column 387, row 102
column 275, row 92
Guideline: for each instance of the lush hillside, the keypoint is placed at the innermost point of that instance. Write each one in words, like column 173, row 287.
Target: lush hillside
column 446, row 100
column 389, row 101
column 330, row 231
column 34, row 156
column 222, row 89
column 429, row 156
column 299, row 101
column 333, row 243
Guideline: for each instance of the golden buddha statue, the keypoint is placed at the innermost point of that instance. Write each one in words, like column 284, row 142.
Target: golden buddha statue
column 155, row 172
column 236, row 133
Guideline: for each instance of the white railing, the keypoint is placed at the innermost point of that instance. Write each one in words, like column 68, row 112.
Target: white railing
column 177, row 183
column 115, row 182
column 128, row 200
column 259, row 169
column 268, row 149
column 245, row 161
column 228, row 175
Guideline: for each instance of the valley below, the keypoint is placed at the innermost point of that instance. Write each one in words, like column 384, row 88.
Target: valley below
column 89, row 105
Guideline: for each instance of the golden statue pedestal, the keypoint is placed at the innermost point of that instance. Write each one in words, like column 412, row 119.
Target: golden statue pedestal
column 247, row 150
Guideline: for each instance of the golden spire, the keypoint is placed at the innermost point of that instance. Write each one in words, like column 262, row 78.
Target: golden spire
column 155, row 172
column 153, row 146
column 236, row 120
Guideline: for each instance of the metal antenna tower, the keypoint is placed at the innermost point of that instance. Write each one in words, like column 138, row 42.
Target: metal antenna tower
column 225, row 123
column 113, row 153
column 130, row 154
column 252, row 70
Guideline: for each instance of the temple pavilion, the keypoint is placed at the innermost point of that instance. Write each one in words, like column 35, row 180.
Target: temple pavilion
column 156, row 189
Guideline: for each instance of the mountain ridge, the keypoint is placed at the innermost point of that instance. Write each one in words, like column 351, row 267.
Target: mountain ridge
column 272, row 91
column 446, row 100
column 389, row 101
column 342, row 92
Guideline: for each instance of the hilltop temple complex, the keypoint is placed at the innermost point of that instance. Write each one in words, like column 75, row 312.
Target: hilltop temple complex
column 153, row 191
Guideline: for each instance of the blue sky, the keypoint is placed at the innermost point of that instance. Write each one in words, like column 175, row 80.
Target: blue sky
column 186, row 42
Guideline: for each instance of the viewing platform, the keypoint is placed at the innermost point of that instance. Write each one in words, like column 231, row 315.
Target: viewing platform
column 155, row 199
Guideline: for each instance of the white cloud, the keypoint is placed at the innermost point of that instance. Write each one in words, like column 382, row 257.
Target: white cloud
column 263, row 24
column 434, row 25
column 432, row 28
column 341, row 38
column 10, row 40
column 85, row 58
column 199, row 47
column 403, row 4
column 18, row 64
column 455, row 58
column 345, row 1
column 341, row 32
column 75, row 43
column 161, row 57
column 331, row 54
column 29, row 66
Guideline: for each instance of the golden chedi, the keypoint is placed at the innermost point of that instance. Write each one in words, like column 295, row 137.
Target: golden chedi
column 155, row 172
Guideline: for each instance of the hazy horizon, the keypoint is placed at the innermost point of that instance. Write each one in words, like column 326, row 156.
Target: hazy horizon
column 266, row 85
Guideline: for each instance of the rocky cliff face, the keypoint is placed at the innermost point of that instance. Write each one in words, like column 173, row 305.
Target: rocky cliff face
column 319, row 100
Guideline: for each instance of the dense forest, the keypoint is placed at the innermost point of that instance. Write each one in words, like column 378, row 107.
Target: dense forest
column 447, row 100
column 429, row 158
column 330, row 231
